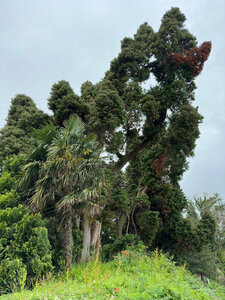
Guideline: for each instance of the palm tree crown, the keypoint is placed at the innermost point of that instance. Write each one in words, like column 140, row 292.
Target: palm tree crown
column 71, row 176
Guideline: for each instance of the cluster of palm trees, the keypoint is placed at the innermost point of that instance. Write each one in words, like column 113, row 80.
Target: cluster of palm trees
column 65, row 170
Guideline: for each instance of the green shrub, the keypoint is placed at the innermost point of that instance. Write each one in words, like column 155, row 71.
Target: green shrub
column 13, row 275
column 122, row 243
column 24, row 244
column 148, row 223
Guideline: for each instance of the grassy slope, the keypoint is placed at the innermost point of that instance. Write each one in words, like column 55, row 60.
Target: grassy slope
column 129, row 276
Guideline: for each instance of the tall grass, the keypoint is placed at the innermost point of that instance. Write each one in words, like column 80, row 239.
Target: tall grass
column 130, row 275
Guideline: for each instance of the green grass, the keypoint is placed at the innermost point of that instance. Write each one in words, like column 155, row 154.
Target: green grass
column 129, row 276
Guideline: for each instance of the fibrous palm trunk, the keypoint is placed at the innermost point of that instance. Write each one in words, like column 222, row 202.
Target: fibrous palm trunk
column 94, row 233
column 67, row 236
column 90, row 228
column 86, row 229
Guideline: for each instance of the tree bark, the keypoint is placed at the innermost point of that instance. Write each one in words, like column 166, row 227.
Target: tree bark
column 98, row 243
column 67, row 236
column 86, row 229
column 120, row 224
column 94, row 233
column 77, row 221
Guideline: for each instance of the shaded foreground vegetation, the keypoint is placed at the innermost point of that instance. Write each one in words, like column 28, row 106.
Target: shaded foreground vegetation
column 128, row 276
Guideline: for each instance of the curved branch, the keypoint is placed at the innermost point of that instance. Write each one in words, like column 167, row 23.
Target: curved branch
column 128, row 156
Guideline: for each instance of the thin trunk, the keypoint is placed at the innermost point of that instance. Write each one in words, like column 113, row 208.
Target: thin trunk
column 86, row 229
column 120, row 224
column 132, row 218
column 94, row 233
column 98, row 242
column 77, row 220
column 128, row 223
column 67, row 236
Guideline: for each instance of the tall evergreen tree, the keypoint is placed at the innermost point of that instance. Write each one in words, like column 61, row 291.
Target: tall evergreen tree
column 154, row 129
column 64, row 102
column 23, row 118
column 125, row 116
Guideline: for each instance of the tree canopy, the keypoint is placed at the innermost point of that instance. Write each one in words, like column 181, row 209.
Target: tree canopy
column 23, row 118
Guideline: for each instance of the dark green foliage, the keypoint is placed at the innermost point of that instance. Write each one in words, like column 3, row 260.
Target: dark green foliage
column 207, row 228
column 118, row 205
column 148, row 222
column 54, row 233
column 23, row 237
column 24, row 114
column 158, row 218
column 109, row 110
column 64, row 102
column 125, row 116
column 183, row 130
column 133, row 60
column 171, row 37
column 24, row 246
column 204, row 263
column 122, row 243
column 10, row 173
column 22, row 118
column 207, row 218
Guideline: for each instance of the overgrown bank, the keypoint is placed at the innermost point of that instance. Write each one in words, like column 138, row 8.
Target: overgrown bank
column 128, row 276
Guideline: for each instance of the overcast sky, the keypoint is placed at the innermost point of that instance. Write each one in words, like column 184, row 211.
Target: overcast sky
column 43, row 41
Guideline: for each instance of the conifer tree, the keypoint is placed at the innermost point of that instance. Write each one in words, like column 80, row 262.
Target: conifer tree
column 23, row 118
column 154, row 129
column 127, row 117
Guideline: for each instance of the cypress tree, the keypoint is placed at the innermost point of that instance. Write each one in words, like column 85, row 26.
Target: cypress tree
column 23, row 118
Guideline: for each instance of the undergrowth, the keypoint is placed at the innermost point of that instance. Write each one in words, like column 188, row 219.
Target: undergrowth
column 130, row 275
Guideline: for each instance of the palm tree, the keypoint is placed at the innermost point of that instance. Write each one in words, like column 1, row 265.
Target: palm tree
column 71, row 177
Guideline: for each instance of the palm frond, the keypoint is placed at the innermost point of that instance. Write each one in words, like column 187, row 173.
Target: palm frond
column 30, row 174
column 74, row 128
column 67, row 200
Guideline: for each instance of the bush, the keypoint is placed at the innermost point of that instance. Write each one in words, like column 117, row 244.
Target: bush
column 13, row 275
column 122, row 243
column 24, row 245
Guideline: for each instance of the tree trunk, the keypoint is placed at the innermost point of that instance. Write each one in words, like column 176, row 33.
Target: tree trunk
column 98, row 243
column 123, row 159
column 77, row 221
column 94, row 233
column 86, row 229
column 67, row 236
column 120, row 224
